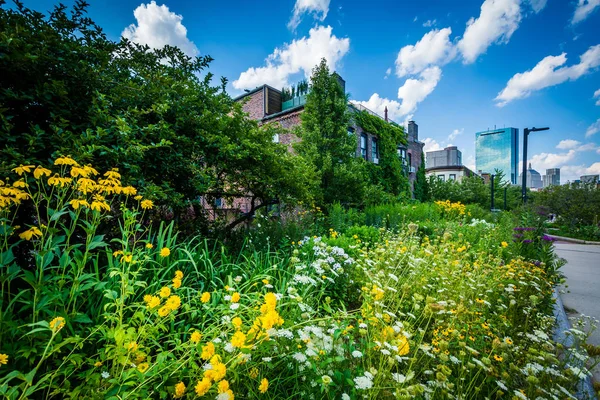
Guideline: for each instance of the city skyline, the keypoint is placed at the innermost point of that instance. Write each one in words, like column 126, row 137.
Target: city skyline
column 498, row 149
column 457, row 68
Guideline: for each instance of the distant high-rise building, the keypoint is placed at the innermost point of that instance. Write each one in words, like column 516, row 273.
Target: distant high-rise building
column 533, row 180
column 552, row 177
column 589, row 178
column 449, row 157
column 498, row 149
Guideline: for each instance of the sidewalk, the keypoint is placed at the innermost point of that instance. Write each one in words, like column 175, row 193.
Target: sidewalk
column 582, row 288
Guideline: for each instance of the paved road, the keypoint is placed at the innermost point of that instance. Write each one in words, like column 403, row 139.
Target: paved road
column 582, row 289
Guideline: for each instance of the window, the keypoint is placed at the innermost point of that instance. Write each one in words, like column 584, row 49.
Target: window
column 402, row 155
column 452, row 177
column 409, row 159
column 218, row 203
column 442, row 177
column 276, row 138
column 363, row 146
column 350, row 131
column 374, row 150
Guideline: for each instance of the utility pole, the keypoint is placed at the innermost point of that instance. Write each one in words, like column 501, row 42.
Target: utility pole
column 526, row 133
column 492, row 188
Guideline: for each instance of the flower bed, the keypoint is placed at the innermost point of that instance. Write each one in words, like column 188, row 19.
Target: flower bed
column 456, row 313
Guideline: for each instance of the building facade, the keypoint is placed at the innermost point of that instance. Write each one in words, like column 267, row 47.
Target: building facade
column 450, row 156
column 589, row 178
column 552, row 177
column 498, row 149
column 265, row 105
column 449, row 173
column 533, row 178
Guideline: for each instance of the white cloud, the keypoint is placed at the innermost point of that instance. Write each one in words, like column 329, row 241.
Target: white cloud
column 319, row 9
column 593, row 128
column 497, row 21
column 299, row 55
column 415, row 19
column 548, row 72
column 537, row 5
column 597, row 95
column 378, row 105
column 387, row 73
column 434, row 48
column 157, row 27
column 587, row 147
column 455, row 133
column 583, row 9
column 415, row 91
column 572, row 172
column 543, row 161
column 431, row 145
column 567, row 144
column 429, row 23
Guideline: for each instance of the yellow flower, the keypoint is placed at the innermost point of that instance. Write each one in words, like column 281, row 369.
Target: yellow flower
column 65, row 161
column 138, row 197
column 237, row 322
column 403, row 346
column 99, row 206
column 98, row 364
column 196, row 336
column 3, row 359
column 205, row 298
column 149, row 245
column 178, row 274
column 223, row 386
column 127, row 258
column 235, row 297
column 165, row 252
column 508, row 340
column 21, row 169
column 265, row 281
column 253, row 373
column 504, row 244
column 238, row 339
column 30, row 233
column 143, row 367
column 165, row 292
column 76, row 203
column 179, row 390
column 497, row 357
column 218, row 371
column 208, row 351
column 132, row 346
column 57, row 324
column 41, row 171
column 129, row 191
column 203, row 386
column 164, row 311
column 147, row 204
column 173, row 302
column 176, row 283
column 264, row 385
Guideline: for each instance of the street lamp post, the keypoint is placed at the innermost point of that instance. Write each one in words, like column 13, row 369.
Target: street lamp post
column 492, row 189
column 526, row 133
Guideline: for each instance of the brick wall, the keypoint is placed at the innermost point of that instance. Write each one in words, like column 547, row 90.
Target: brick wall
column 254, row 105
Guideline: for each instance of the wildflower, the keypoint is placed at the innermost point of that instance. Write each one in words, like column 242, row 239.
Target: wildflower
column 132, row 346
column 165, row 252
column 196, row 336
column 173, row 302
column 179, row 390
column 149, row 245
column 326, row 379
column 99, row 205
column 176, row 283
column 41, row 171
column 508, row 340
column 129, row 191
column 3, row 359
column 238, row 339
column 497, row 357
column 223, row 386
column 65, row 161
column 98, row 364
column 76, row 203
column 30, row 233
column 143, row 367
column 364, row 382
column 105, row 375
column 264, row 385
column 237, row 322
column 403, row 346
column 57, row 324
column 202, row 387
column 253, row 373
column 235, row 297
column 164, row 311
column 208, row 351
column 127, row 258
column 504, row 244
column 205, row 298
column 152, row 301
column 147, row 204
column 21, row 169
column 178, row 274
column 165, row 292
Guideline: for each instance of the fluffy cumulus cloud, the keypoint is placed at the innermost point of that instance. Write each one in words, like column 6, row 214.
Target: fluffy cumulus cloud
column 597, row 96
column 434, row 48
column 537, row 5
column 593, row 128
column 431, row 145
column 567, row 144
column 415, row 91
column 548, row 72
column 157, row 27
column 301, row 55
column 497, row 21
column 543, row 161
column 319, row 9
column 378, row 105
column 572, row 172
column 583, row 9
column 455, row 133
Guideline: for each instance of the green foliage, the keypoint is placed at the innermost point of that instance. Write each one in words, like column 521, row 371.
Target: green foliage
column 573, row 204
column 421, row 186
column 154, row 114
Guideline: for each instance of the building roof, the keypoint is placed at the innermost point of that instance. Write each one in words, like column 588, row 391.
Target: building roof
column 450, row 168
column 256, row 89
column 280, row 113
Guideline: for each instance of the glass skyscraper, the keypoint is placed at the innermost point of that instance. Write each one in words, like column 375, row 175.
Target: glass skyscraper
column 498, row 149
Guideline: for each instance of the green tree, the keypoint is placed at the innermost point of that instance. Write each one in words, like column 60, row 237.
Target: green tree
column 421, row 188
column 325, row 142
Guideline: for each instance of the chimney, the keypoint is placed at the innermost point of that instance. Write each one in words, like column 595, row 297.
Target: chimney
column 413, row 131
column 385, row 114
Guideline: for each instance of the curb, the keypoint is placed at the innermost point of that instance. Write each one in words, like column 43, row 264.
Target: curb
column 585, row 389
column 572, row 240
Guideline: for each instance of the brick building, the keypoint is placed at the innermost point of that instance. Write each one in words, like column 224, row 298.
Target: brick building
column 265, row 104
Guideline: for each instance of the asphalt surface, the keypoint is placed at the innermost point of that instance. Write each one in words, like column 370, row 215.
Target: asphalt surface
column 581, row 292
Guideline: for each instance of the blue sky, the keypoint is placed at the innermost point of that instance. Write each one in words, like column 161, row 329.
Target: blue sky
column 455, row 67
